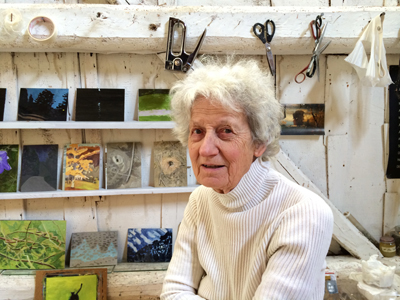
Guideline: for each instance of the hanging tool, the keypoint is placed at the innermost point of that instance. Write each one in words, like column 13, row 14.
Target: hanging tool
column 262, row 32
column 318, row 32
column 180, row 61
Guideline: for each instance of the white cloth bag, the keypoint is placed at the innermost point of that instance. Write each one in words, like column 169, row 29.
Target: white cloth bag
column 373, row 72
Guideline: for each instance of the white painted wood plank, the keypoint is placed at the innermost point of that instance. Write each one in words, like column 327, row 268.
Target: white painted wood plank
column 391, row 3
column 44, row 209
column 12, row 210
column 130, row 211
column 86, row 125
column 391, row 212
column 8, row 80
column 167, row 2
column 108, row 30
column 302, row 3
column 223, row 3
column 363, row 2
column 88, row 70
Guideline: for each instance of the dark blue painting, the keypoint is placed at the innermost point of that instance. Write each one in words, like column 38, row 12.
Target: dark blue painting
column 149, row 244
column 43, row 105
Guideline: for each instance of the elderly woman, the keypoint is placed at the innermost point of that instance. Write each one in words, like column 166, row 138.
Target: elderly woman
column 247, row 232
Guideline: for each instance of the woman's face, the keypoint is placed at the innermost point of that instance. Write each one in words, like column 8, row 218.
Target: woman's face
column 220, row 145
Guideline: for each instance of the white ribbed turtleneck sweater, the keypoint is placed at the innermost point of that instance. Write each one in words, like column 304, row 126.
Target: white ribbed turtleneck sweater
column 266, row 239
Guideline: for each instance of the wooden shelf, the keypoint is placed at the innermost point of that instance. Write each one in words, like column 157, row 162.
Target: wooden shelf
column 86, row 125
column 101, row 192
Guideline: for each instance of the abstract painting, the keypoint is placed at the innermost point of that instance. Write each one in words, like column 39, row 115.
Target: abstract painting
column 39, row 168
column 83, row 284
column 123, row 168
column 303, row 119
column 149, row 244
column 43, row 104
column 100, row 105
column 169, row 164
column 32, row 244
column 8, row 168
column 94, row 249
column 154, row 105
column 81, row 167
column 2, row 103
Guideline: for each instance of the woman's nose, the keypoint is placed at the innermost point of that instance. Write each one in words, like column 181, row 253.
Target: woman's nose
column 208, row 145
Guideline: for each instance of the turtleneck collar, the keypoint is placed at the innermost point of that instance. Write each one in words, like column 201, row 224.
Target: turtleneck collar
column 251, row 189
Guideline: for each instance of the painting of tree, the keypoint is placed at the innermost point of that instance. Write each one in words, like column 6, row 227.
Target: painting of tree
column 81, row 167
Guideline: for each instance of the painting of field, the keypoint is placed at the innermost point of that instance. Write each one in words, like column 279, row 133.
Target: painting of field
column 71, row 287
column 81, row 167
column 32, row 244
column 8, row 168
column 154, row 105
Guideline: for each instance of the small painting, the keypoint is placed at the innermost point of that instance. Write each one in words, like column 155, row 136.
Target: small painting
column 2, row 103
column 149, row 244
column 8, row 168
column 83, row 284
column 100, row 105
column 89, row 249
column 169, row 164
column 39, row 168
column 81, row 167
column 303, row 119
column 123, row 169
column 43, row 104
column 32, row 244
column 154, row 105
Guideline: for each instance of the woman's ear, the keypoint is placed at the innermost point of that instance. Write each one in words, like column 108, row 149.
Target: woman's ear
column 259, row 149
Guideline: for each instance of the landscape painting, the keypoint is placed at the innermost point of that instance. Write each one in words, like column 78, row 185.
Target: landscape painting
column 149, row 244
column 2, row 103
column 303, row 119
column 94, row 249
column 100, row 105
column 81, row 167
column 154, row 105
column 123, row 168
column 73, row 284
column 8, row 168
column 169, row 164
column 43, row 104
column 39, row 168
column 32, row 244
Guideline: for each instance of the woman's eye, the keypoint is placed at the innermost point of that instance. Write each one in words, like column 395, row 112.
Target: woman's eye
column 227, row 130
column 196, row 131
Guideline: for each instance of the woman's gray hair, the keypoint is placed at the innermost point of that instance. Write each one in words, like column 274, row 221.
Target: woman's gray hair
column 240, row 86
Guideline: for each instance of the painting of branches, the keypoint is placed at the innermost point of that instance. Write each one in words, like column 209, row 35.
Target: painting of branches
column 32, row 244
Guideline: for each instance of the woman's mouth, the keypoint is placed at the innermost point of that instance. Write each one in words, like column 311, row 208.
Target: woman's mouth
column 212, row 166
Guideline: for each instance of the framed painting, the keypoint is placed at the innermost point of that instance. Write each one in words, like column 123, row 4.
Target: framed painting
column 2, row 103
column 149, row 245
column 154, row 105
column 303, row 119
column 123, row 167
column 39, row 168
column 8, row 168
column 90, row 249
column 81, row 167
column 100, row 105
column 84, row 284
column 43, row 104
column 32, row 244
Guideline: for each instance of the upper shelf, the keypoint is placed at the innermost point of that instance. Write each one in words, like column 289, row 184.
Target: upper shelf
column 143, row 29
column 85, row 125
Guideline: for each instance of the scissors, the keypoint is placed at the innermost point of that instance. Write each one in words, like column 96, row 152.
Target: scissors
column 318, row 34
column 262, row 32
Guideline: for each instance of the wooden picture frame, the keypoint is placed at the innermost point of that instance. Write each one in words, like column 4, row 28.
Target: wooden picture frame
column 100, row 272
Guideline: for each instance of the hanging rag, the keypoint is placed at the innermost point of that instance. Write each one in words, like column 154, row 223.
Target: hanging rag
column 373, row 72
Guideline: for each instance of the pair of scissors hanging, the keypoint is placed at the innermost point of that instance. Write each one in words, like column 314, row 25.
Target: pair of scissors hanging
column 180, row 60
column 262, row 32
column 318, row 33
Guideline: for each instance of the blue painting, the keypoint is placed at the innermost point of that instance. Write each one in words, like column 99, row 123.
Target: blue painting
column 149, row 244
column 90, row 249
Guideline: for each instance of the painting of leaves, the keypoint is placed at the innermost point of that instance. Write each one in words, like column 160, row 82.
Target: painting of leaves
column 43, row 104
column 303, row 119
column 154, row 105
column 123, row 168
column 149, row 244
column 71, row 287
column 81, row 167
column 8, row 168
column 2, row 103
column 32, row 244
column 39, row 168
column 94, row 249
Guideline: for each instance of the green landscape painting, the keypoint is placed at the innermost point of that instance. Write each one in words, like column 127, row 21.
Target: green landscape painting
column 154, row 105
column 8, row 168
column 71, row 287
column 32, row 244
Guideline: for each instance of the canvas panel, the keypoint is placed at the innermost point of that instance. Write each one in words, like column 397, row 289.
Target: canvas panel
column 303, row 119
column 154, row 105
column 8, row 168
column 71, row 287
